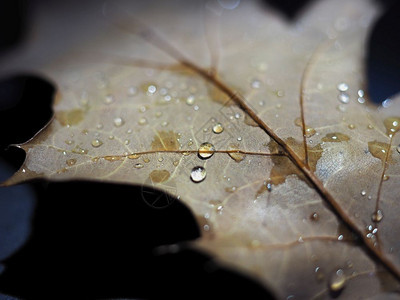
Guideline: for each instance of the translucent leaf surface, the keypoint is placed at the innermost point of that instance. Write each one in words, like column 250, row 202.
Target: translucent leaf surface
column 263, row 128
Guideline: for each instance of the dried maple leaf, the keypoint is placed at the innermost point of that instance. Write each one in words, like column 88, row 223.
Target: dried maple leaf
column 261, row 127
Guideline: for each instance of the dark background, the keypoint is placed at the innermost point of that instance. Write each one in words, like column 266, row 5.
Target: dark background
column 89, row 240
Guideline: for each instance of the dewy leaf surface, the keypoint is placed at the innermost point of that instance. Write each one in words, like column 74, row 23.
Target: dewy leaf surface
column 300, row 190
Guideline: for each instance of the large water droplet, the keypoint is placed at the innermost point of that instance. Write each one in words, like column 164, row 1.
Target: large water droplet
column 218, row 128
column 377, row 216
column 392, row 125
column 337, row 281
column 198, row 174
column 235, row 154
column 96, row 143
column 206, row 150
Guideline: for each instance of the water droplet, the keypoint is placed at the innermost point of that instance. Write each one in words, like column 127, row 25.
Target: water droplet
column 132, row 91
column 118, row 122
column 261, row 103
column 146, row 160
column 392, row 125
column 196, row 107
column 344, row 98
column 151, row 89
column 235, row 154
column 158, row 114
column 113, row 158
column 142, row 121
column 99, row 126
column 377, row 216
column 206, row 227
column 363, row 193
column 126, row 142
column 310, row 131
column 133, row 156
column 139, row 166
column 218, row 128
column 220, row 209
column 269, row 186
column 206, row 150
column 239, row 138
column 337, row 281
column 360, row 93
column 340, row 237
column 71, row 162
column 398, row 149
column 314, row 216
column 198, row 174
column 110, row 137
column 343, row 87
column 160, row 159
column 385, row 177
column 96, row 143
column 70, row 142
column 386, row 103
column 109, row 99
column 351, row 126
column 165, row 123
column 190, row 100
column 370, row 126
column 361, row 100
column 255, row 84
column 175, row 163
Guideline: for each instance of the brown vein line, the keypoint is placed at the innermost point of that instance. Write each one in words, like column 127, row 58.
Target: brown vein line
column 151, row 37
column 195, row 152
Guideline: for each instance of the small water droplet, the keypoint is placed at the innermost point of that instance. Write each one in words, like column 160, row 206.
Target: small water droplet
column 310, row 131
column 146, row 160
column 377, row 216
column 126, row 142
column 71, row 162
column 261, row 103
column 314, row 216
column 132, row 91
column 370, row 126
column 206, row 227
column 255, row 84
column 142, row 121
column 165, row 123
column 158, row 114
column 109, row 99
column 110, row 137
column 190, row 100
column 196, row 107
column 385, row 177
column 351, row 126
column 363, row 193
column 268, row 186
column 337, row 281
column 99, row 126
column 340, row 237
column 361, row 100
column 70, row 142
column 198, row 174
column 139, row 166
column 360, row 93
column 151, row 89
column 133, row 156
column 96, row 143
column 342, row 87
column 206, row 150
column 118, row 122
column 398, row 149
column 344, row 98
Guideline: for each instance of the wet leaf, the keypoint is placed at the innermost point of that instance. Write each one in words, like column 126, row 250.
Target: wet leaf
column 262, row 127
